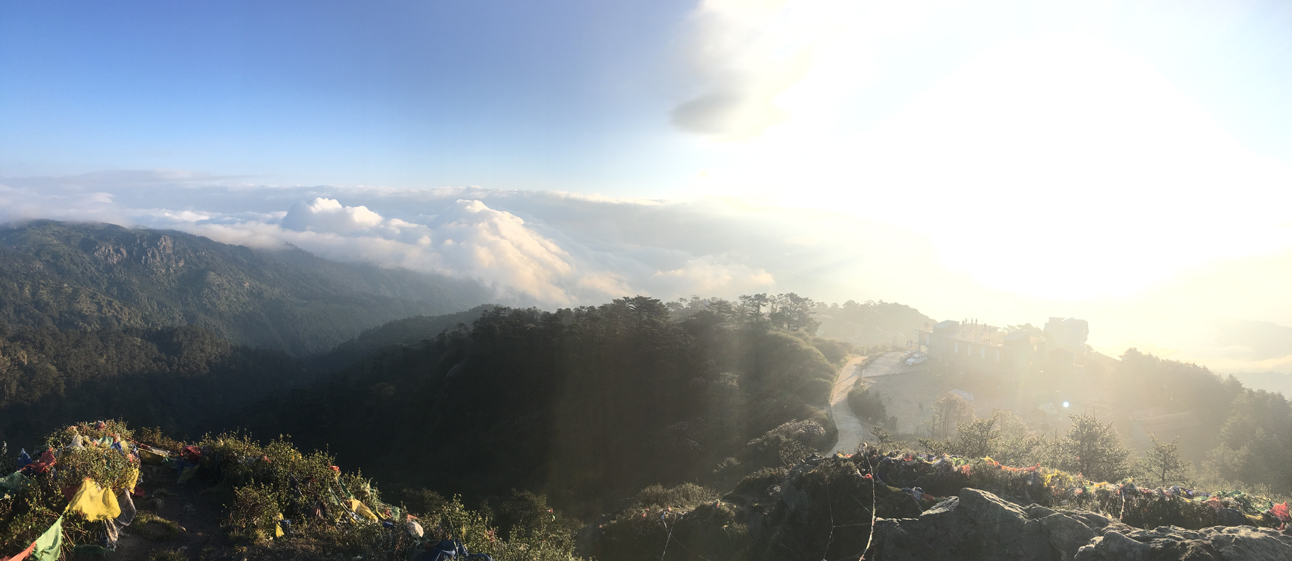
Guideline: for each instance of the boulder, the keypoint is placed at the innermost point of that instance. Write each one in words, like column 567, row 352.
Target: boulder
column 1232, row 543
column 975, row 525
column 980, row 525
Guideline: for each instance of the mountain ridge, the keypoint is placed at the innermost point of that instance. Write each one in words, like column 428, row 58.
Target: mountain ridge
column 89, row 276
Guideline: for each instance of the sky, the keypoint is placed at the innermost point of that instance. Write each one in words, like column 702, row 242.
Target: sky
column 1123, row 162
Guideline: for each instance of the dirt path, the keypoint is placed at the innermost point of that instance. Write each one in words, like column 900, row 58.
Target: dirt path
column 851, row 429
column 198, row 518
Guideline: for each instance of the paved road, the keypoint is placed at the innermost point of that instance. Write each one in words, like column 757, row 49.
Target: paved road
column 906, row 390
column 851, row 429
column 888, row 365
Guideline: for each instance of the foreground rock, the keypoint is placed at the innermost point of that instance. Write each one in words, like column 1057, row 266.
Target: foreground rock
column 980, row 525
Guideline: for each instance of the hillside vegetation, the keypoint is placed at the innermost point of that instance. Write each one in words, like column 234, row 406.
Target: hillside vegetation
column 871, row 322
column 91, row 276
column 241, row 499
column 587, row 404
column 185, row 379
column 398, row 333
column 698, row 415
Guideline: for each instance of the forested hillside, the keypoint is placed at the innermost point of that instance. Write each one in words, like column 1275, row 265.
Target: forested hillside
column 184, row 379
column 89, row 276
column 588, row 404
column 870, row 323
column 401, row 332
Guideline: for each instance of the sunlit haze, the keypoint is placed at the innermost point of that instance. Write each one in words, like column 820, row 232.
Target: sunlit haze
column 1128, row 163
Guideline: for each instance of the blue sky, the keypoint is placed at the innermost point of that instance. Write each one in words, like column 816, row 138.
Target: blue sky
column 554, row 95
column 1018, row 159
column 411, row 93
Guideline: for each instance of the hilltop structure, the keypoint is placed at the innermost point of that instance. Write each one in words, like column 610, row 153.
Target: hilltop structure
column 980, row 346
column 1067, row 334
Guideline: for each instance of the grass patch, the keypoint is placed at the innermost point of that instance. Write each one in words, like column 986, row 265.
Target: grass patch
column 155, row 528
column 168, row 556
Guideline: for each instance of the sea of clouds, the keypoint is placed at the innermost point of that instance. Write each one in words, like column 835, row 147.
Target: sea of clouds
column 548, row 248
column 556, row 249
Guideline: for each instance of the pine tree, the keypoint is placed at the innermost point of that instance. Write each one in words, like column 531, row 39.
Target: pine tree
column 1093, row 448
column 1162, row 463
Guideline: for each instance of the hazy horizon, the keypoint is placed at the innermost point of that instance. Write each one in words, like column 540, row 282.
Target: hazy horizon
column 1127, row 163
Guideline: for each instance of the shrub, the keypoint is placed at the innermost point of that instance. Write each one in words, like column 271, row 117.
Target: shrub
column 787, row 444
column 155, row 528
column 867, row 404
column 757, row 483
column 254, row 512
column 524, row 511
column 817, row 390
column 833, row 350
column 155, row 437
column 423, row 500
column 686, row 495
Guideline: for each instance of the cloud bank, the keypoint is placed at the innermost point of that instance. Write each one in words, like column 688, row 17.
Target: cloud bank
column 556, row 249
column 593, row 249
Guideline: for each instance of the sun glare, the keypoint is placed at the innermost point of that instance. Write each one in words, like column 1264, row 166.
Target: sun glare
column 1057, row 168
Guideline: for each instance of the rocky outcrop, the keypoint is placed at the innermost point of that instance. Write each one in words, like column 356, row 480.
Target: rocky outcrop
column 980, row 525
column 1171, row 542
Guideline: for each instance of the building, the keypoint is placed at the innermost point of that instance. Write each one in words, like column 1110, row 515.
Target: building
column 1067, row 334
column 979, row 346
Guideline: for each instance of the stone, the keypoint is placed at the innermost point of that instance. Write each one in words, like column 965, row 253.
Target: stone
column 1066, row 534
column 1113, row 545
column 975, row 525
column 980, row 525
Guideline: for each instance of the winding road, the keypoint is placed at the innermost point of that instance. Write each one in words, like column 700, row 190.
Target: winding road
column 852, row 431
column 850, row 427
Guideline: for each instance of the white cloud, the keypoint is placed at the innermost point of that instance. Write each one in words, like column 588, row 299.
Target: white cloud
column 497, row 247
column 328, row 215
column 465, row 239
column 554, row 249
column 745, row 55
column 715, row 275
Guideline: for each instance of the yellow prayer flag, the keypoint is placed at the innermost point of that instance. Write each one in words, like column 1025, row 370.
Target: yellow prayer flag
column 133, row 480
column 359, row 508
column 95, row 502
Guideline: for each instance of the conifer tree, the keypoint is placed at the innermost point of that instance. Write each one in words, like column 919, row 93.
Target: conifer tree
column 1162, row 463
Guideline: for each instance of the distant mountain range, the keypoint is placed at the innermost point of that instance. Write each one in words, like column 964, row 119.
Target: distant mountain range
column 871, row 323
column 1269, row 381
column 87, row 276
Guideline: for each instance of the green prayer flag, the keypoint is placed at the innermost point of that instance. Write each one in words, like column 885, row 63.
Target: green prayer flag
column 15, row 482
column 50, row 544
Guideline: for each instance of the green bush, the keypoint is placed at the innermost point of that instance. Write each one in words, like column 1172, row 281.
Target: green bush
column 833, row 350
column 756, row 483
column 686, row 495
column 867, row 404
